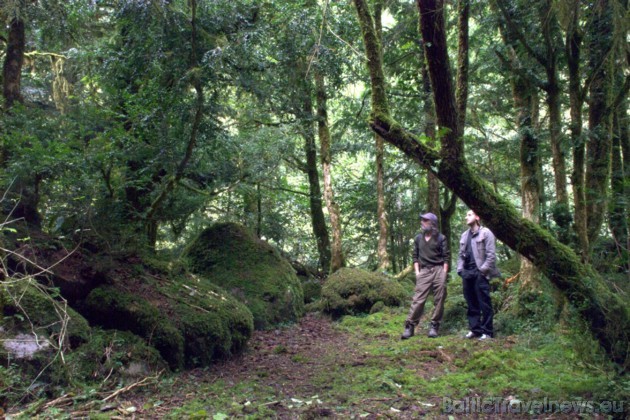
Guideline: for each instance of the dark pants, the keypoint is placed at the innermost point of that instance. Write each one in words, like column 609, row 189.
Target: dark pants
column 477, row 295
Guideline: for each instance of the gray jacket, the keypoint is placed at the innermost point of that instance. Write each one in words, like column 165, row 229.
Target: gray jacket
column 483, row 247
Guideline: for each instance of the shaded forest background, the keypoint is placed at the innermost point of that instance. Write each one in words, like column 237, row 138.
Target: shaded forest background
column 130, row 126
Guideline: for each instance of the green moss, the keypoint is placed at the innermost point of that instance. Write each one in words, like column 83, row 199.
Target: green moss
column 353, row 291
column 190, row 321
column 113, row 308
column 312, row 290
column 26, row 302
column 120, row 355
column 231, row 257
column 213, row 323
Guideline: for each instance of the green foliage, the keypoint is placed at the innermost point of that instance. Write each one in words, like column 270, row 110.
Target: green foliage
column 355, row 291
column 228, row 255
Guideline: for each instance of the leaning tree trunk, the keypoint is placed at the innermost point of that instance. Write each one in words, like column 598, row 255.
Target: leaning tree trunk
column 336, row 254
column 606, row 313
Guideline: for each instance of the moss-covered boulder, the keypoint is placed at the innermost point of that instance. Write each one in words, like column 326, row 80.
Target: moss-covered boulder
column 119, row 356
column 36, row 329
column 188, row 320
column 230, row 256
column 28, row 306
column 111, row 307
column 353, row 291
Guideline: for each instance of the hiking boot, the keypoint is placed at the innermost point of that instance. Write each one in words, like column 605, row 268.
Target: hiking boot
column 484, row 337
column 471, row 335
column 408, row 333
column 433, row 332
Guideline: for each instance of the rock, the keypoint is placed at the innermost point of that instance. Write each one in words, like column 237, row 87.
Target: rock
column 231, row 257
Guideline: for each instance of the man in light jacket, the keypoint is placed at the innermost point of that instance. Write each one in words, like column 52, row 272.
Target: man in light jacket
column 476, row 266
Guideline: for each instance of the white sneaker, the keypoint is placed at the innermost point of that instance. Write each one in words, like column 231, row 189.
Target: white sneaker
column 484, row 337
column 470, row 335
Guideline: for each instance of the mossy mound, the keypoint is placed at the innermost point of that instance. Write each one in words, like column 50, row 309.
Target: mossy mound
column 189, row 321
column 252, row 270
column 36, row 329
column 28, row 306
column 119, row 356
column 113, row 308
column 350, row 291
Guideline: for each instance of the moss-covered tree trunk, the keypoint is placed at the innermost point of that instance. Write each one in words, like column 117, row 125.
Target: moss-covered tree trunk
column 618, row 209
column 550, row 30
column 336, row 251
column 318, row 220
column 382, row 255
column 25, row 188
column 428, row 115
column 573, row 48
column 606, row 313
column 525, row 100
column 384, row 262
column 599, row 121
column 531, row 177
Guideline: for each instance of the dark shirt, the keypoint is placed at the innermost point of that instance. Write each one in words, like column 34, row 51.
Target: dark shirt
column 432, row 252
column 469, row 258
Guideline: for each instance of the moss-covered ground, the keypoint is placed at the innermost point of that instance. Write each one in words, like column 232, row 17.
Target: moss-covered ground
column 358, row 367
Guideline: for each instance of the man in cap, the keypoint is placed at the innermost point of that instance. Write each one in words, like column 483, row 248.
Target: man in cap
column 476, row 265
column 431, row 257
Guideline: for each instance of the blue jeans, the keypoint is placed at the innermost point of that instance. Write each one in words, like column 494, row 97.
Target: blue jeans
column 477, row 295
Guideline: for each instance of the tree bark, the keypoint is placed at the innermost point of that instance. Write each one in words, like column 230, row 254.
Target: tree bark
column 605, row 312
column 531, row 176
column 618, row 220
column 384, row 262
column 382, row 255
column 318, row 219
column 428, row 110
column 526, row 107
column 461, row 92
column 548, row 59
column 573, row 48
column 13, row 62
column 599, row 121
column 336, row 255
column 561, row 213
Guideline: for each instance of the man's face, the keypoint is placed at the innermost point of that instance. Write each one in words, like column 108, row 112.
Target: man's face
column 426, row 224
column 471, row 218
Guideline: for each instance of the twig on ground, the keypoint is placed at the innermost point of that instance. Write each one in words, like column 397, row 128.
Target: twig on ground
column 143, row 382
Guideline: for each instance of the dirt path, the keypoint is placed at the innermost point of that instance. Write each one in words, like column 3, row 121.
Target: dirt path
column 287, row 360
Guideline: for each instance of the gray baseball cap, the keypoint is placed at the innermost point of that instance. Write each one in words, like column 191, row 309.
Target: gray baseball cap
column 429, row 216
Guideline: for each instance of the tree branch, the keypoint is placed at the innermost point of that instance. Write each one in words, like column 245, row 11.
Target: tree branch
column 519, row 35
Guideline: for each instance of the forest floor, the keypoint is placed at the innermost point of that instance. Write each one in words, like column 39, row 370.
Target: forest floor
column 358, row 367
column 542, row 364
